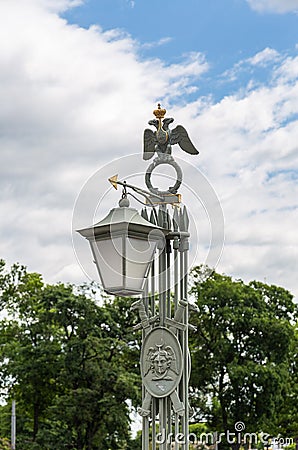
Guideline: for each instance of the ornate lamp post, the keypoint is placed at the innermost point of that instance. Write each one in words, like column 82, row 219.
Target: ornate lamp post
column 147, row 255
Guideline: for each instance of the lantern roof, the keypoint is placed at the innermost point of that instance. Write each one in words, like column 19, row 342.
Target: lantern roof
column 120, row 219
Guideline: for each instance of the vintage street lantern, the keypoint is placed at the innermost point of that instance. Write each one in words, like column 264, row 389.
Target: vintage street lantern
column 123, row 246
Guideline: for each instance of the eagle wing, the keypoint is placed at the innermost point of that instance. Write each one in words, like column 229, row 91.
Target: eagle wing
column 180, row 136
column 172, row 355
column 148, row 361
column 149, row 144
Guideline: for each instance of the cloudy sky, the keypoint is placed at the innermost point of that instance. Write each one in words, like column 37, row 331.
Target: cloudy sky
column 79, row 81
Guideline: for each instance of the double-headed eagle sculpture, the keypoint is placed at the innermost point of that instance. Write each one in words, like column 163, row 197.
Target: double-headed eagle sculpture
column 161, row 140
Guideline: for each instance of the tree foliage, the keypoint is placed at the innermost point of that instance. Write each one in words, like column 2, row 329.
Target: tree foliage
column 241, row 352
column 72, row 365
column 68, row 363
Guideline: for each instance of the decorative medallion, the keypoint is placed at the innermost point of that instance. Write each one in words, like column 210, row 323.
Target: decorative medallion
column 161, row 362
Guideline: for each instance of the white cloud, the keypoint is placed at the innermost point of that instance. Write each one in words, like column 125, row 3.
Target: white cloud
column 71, row 99
column 263, row 59
column 74, row 99
column 57, row 5
column 252, row 159
column 278, row 6
column 160, row 42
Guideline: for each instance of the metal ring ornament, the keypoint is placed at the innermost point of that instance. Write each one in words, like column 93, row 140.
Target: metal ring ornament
column 167, row 159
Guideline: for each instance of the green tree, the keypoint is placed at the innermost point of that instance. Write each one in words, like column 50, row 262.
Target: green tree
column 4, row 444
column 68, row 362
column 288, row 424
column 96, row 373
column 241, row 351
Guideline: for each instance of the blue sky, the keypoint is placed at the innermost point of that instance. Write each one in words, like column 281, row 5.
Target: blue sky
column 224, row 31
column 79, row 80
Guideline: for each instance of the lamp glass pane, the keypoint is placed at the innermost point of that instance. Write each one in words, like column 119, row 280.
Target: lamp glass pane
column 139, row 255
column 108, row 254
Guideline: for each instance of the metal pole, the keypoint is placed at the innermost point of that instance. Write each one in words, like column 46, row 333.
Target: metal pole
column 13, row 425
column 154, row 401
column 168, row 405
column 186, row 355
column 165, row 353
column 154, row 423
column 145, row 433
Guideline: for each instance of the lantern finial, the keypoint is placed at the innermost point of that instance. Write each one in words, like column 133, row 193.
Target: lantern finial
column 124, row 202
